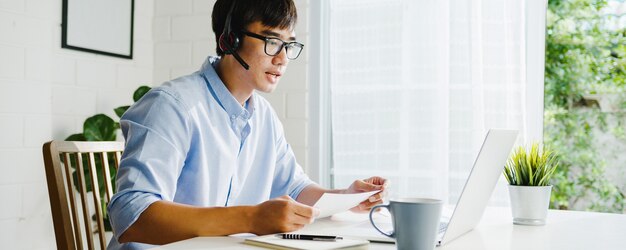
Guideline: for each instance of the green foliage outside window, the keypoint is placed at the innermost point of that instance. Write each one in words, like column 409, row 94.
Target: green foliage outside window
column 585, row 55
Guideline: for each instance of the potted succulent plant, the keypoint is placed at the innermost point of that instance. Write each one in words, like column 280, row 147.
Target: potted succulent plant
column 529, row 173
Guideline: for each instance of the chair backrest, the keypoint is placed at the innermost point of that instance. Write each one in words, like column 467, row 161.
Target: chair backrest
column 68, row 189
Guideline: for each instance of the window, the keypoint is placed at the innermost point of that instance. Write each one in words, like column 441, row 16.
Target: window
column 585, row 103
column 414, row 86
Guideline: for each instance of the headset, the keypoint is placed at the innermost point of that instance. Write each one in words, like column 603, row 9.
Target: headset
column 229, row 40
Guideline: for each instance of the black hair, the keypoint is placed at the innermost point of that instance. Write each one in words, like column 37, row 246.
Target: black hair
column 280, row 14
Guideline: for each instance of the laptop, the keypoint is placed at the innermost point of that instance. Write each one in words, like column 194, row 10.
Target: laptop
column 480, row 183
column 469, row 209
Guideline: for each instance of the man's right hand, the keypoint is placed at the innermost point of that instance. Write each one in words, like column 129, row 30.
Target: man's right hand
column 282, row 214
column 166, row 222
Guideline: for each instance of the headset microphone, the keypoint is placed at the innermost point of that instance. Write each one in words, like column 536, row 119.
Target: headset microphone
column 238, row 58
column 229, row 40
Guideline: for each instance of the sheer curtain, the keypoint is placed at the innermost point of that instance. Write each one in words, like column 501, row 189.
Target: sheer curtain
column 415, row 85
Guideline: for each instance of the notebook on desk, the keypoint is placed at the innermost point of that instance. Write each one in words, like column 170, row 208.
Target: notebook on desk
column 476, row 193
column 273, row 242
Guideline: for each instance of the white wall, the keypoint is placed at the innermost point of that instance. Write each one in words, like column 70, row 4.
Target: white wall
column 46, row 93
column 183, row 38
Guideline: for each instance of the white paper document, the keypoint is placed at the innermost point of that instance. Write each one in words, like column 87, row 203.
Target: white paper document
column 271, row 241
column 330, row 204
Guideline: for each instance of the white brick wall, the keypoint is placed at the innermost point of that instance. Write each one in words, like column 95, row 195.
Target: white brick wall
column 11, row 62
column 184, row 38
column 12, row 204
column 46, row 93
column 166, row 8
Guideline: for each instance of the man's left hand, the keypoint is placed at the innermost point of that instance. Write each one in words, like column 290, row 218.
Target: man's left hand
column 369, row 184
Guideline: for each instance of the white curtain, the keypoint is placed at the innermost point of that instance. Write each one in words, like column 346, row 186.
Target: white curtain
column 415, row 85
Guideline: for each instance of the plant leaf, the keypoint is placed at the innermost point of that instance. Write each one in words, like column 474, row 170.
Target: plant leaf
column 534, row 167
column 99, row 127
column 119, row 111
column 140, row 92
column 76, row 137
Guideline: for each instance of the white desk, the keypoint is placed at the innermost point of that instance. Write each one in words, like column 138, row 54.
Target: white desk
column 564, row 230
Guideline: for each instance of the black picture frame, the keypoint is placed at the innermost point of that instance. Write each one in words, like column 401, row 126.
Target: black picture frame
column 103, row 27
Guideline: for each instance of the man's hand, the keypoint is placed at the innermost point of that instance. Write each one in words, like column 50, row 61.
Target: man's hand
column 369, row 184
column 282, row 214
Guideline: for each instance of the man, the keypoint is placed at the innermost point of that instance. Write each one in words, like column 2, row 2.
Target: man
column 205, row 155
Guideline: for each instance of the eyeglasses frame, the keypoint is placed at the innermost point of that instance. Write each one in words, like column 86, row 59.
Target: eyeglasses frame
column 283, row 46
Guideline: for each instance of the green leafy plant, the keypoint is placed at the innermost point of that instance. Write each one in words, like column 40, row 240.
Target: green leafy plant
column 101, row 127
column 531, row 168
column 585, row 55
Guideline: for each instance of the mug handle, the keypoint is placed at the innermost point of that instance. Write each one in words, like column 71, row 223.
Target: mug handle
column 373, row 224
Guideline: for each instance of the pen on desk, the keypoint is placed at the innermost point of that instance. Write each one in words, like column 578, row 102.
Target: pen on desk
column 309, row 237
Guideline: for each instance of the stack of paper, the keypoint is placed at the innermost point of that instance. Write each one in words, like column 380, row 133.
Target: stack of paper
column 273, row 242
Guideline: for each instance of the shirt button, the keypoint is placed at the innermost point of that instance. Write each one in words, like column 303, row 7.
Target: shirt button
column 232, row 117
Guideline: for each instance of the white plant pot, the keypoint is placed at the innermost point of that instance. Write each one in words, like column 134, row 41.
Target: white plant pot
column 529, row 204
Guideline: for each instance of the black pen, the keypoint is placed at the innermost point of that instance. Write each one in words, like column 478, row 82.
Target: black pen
column 309, row 237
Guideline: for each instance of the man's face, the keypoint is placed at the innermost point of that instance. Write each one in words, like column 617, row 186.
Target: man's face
column 265, row 71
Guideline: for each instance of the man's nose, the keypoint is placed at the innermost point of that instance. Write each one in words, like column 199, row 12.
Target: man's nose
column 281, row 58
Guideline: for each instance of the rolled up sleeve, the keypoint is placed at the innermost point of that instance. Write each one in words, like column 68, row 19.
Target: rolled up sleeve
column 289, row 178
column 156, row 134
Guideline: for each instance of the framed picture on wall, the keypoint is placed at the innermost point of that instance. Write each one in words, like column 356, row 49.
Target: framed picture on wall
column 98, row 26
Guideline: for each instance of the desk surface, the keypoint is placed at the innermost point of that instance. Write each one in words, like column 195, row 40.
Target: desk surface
column 564, row 230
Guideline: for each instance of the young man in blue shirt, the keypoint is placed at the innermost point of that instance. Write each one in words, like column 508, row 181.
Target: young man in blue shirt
column 205, row 155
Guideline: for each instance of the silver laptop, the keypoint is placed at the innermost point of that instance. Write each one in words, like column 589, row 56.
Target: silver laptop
column 474, row 197
column 480, row 184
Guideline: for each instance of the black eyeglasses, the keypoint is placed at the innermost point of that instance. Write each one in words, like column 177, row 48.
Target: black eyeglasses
column 274, row 45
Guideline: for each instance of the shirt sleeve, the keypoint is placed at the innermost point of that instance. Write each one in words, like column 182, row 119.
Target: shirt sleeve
column 157, row 136
column 289, row 178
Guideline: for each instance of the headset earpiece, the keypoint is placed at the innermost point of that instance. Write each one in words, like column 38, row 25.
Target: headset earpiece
column 229, row 40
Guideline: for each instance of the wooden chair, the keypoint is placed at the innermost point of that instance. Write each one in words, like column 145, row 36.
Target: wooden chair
column 61, row 159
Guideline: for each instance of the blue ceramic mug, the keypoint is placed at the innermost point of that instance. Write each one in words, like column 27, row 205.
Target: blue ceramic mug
column 415, row 222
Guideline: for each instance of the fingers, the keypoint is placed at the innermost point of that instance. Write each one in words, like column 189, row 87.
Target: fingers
column 370, row 184
column 305, row 211
column 298, row 213
column 365, row 206
column 294, row 227
column 376, row 180
column 285, row 198
column 299, row 208
column 283, row 214
column 378, row 196
column 368, row 204
column 302, row 217
column 363, row 186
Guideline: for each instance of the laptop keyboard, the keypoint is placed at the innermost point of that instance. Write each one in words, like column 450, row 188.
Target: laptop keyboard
column 386, row 226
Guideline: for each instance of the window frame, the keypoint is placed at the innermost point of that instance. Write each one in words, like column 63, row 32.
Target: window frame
column 320, row 129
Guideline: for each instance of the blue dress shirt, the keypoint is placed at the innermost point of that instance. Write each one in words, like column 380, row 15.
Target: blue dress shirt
column 189, row 141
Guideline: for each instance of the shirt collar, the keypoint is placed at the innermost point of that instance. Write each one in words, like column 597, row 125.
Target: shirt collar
column 221, row 93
